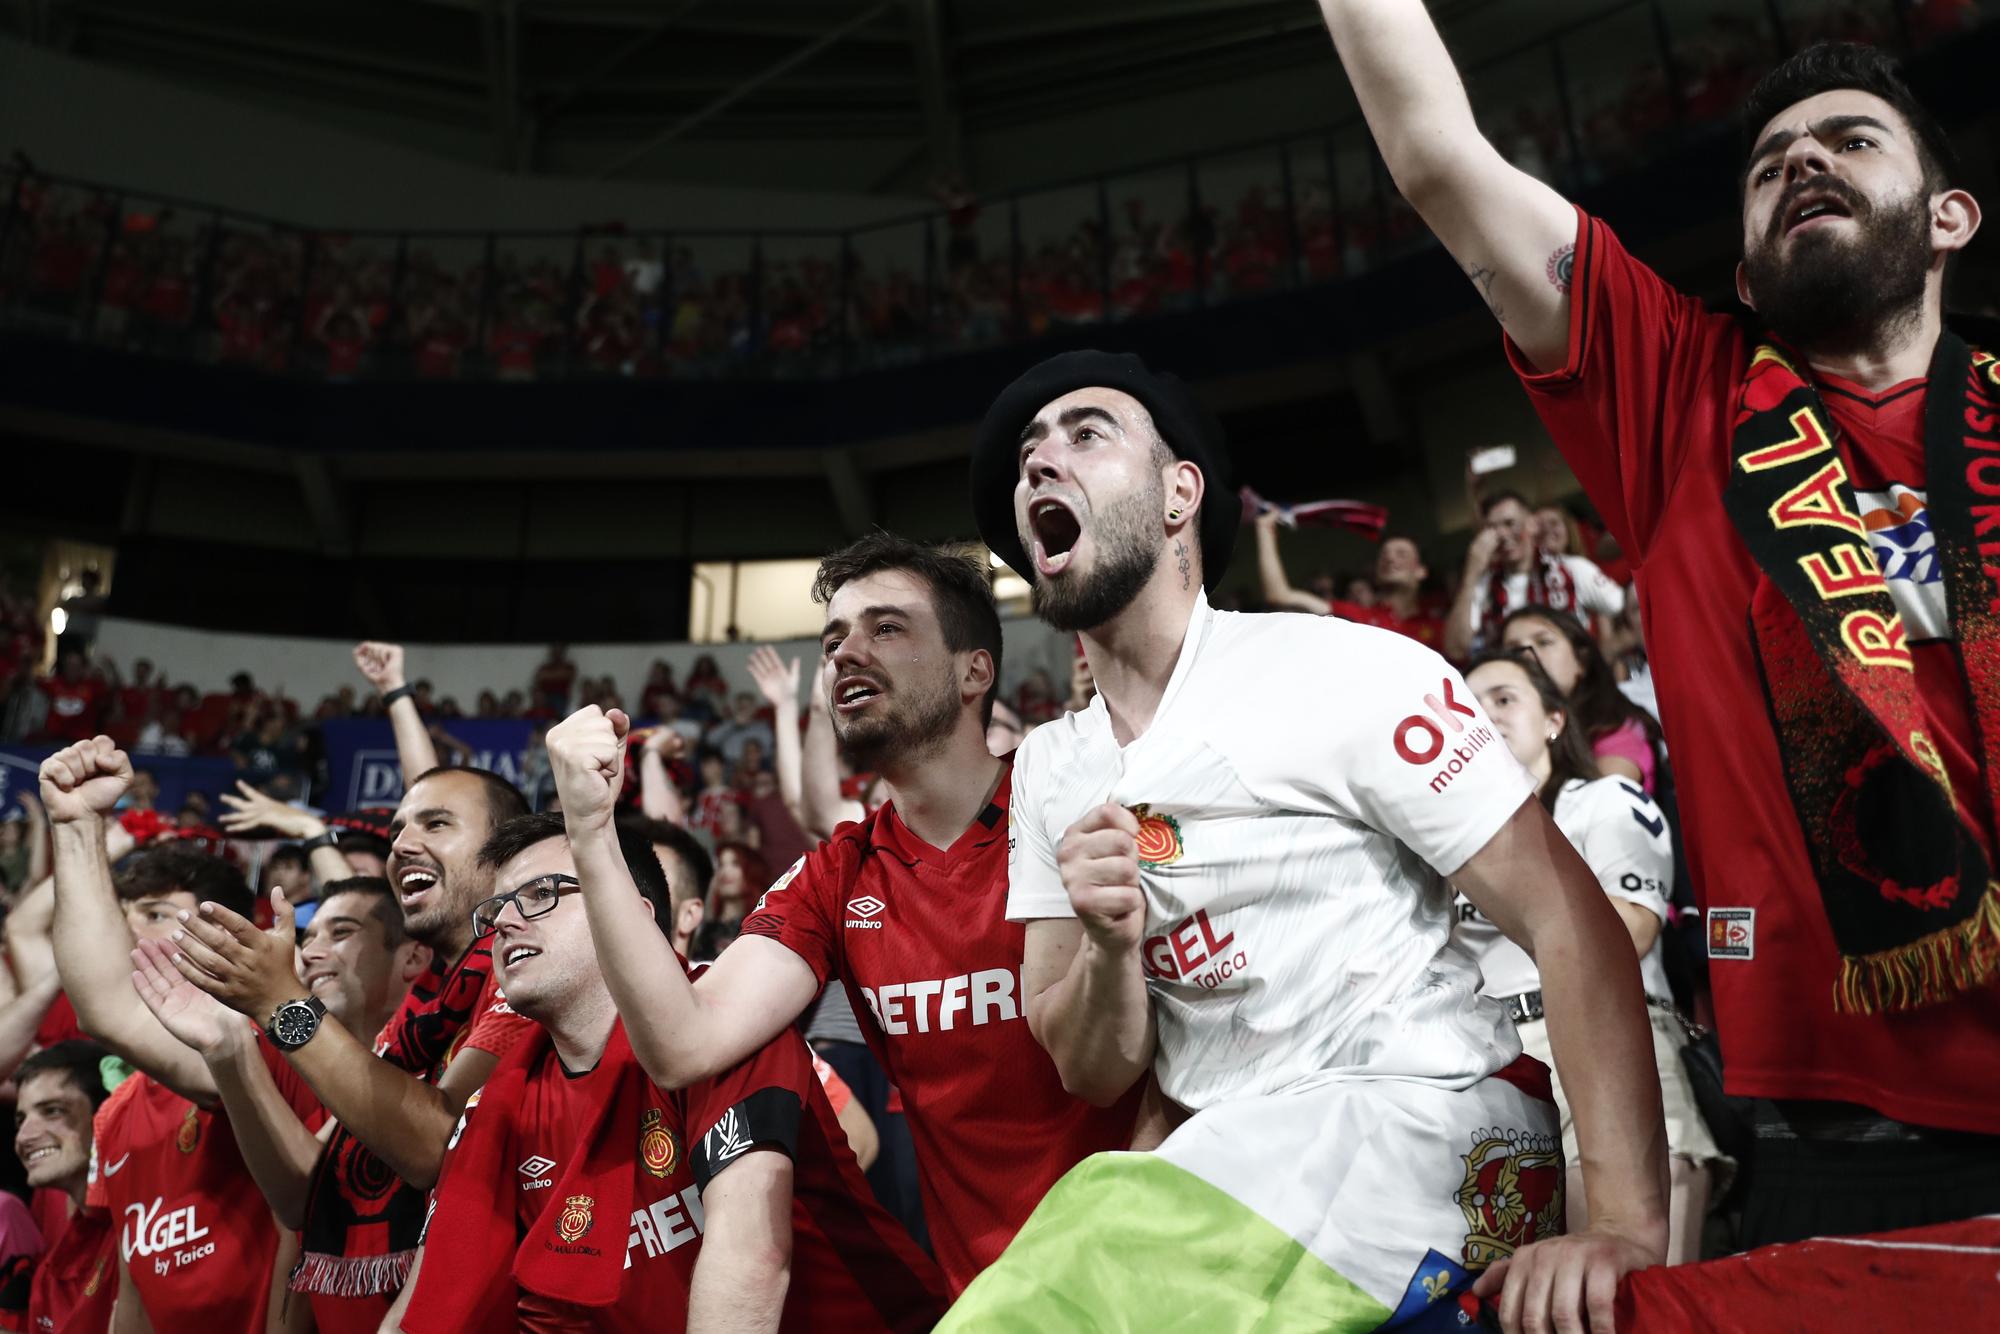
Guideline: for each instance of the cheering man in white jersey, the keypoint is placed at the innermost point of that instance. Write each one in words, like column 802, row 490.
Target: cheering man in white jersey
column 1231, row 866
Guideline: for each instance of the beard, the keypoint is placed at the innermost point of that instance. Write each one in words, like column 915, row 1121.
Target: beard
column 1127, row 536
column 1831, row 294
column 905, row 729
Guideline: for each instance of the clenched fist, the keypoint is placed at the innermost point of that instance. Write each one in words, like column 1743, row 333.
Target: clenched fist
column 587, row 759
column 382, row 664
column 1099, row 864
column 85, row 781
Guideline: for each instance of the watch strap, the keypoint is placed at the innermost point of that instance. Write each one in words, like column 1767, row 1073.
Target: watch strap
column 327, row 838
column 389, row 697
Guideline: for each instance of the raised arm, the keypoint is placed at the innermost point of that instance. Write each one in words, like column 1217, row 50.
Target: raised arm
column 1087, row 1002
column 30, row 928
column 1534, row 886
column 80, row 786
column 1512, row 235
column 679, row 1032
column 248, row 809
column 1278, row 590
column 779, row 682
column 21, row 1017
column 659, row 796
column 1462, row 622
column 821, row 807
column 382, row 664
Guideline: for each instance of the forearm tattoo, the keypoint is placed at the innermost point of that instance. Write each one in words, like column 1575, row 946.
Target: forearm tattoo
column 1482, row 278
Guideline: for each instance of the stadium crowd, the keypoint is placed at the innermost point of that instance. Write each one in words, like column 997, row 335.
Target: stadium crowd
column 828, row 1000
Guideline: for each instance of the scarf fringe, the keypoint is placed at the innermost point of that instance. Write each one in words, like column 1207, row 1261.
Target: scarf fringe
column 352, row 1275
column 1936, row 968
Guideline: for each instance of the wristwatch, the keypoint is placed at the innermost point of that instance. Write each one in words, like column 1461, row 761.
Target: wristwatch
column 293, row 1023
column 327, row 838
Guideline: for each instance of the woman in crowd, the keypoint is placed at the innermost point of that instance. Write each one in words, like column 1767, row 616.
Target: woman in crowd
column 1622, row 837
column 1623, row 737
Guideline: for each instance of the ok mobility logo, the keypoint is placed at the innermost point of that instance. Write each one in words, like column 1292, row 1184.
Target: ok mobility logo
column 1420, row 738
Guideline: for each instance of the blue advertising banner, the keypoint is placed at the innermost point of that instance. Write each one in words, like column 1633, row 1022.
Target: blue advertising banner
column 178, row 775
column 361, row 757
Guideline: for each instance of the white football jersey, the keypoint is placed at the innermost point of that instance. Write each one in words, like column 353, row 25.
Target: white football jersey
column 1304, row 787
column 1622, row 836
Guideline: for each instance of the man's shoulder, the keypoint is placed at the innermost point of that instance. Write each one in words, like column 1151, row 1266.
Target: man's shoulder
column 1286, row 657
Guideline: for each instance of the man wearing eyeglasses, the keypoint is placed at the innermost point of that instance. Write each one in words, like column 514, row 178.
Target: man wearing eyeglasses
column 579, row 1195
column 397, row 1102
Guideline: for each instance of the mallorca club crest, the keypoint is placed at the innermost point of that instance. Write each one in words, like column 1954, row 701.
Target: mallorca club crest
column 659, row 1149
column 1159, row 837
column 574, row 1220
column 189, row 1135
column 1512, row 1193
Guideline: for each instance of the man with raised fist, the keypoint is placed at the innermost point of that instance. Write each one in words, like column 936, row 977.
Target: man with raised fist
column 905, row 908
column 1243, row 892
column 1806, row 496
column 197, row 1243
column 578, row 1195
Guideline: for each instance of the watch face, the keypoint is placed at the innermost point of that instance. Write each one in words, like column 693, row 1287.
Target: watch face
column 294, row 1022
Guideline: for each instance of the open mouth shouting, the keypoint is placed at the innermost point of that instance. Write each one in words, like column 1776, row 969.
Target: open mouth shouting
column 414, row 884
column 1056, row 531
column 852, row 694
column 1815, row 206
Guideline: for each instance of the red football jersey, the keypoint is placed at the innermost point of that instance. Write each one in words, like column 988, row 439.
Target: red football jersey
column 853, row 1268
column 919, row 936
column 193, row 1228
column 1642, row 410
column 74, row 707
column 76, row 1282
column 1423, row 627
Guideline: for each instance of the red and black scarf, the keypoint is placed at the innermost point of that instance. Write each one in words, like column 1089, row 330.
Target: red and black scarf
column 363, row 1222
column 1549, row 585
column 476, row 1259
column 1906, row 886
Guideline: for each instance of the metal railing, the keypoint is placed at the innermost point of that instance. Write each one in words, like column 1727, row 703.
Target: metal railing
column 174, row 277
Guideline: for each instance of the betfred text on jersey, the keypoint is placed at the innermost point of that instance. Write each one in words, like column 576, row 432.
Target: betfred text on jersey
column 1191, row 952
column 666, row 1224
column 985, row 997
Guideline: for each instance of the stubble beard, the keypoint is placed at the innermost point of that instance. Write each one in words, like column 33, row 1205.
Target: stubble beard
column 1126, row 534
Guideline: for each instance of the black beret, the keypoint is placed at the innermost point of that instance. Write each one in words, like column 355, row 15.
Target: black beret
column 1189, row 429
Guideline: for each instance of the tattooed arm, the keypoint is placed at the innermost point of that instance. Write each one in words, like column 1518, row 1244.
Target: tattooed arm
column 1511, row 234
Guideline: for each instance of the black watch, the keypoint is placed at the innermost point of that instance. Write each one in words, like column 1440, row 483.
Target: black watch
column 329, row 838
column 293, row 1023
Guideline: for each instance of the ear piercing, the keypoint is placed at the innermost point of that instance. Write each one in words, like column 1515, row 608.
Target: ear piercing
column 1173, row 514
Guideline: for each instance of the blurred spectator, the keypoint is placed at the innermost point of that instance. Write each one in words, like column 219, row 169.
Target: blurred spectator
column 75, row 701
column 1505, row 571
column 743, row 727
column 552, row 682
column 14, row 854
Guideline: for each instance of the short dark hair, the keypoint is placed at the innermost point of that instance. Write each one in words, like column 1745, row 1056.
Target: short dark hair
column 1825, row 67
column 684, row 845
column 165, row 870
column 79, row 1058
column 961, row 591
column 1492, row 502
column 522, row 832
column 504, row 801
column 382, row 905
column 290, row 854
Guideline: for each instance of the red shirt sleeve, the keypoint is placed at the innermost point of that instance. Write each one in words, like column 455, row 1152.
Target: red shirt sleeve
column 495, row 1028
column 1636, row 395
column 754, row 1105
column 798, row 911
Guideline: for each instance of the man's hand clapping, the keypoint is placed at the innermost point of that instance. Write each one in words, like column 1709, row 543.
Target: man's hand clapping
column 1099, row 863
column 587, row 759
column 85, row 781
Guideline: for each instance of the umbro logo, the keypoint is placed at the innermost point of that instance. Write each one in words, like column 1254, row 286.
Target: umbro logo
column 864, row 911
column 537, row 1168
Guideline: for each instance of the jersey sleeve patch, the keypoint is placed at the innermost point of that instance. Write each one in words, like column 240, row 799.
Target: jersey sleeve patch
column 767, row 1119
